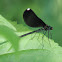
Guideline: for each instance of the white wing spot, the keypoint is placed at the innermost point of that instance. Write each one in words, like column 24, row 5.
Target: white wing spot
column 28, row 9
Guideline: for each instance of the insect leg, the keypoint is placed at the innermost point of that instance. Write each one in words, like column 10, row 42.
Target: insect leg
column 42, row 39
column 48, row 38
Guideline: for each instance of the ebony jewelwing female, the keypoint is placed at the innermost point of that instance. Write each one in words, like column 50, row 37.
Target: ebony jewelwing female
column 31, row 19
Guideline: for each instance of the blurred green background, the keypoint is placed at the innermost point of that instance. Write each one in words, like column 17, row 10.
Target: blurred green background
column 50, row 11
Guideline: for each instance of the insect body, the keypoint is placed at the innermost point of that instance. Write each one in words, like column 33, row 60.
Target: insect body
column 31, row 19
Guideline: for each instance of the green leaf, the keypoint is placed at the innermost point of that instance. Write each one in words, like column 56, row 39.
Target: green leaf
column 31, row 56
column 4, row 22
column 31, row 49
column 9, row 35
column 3, row 42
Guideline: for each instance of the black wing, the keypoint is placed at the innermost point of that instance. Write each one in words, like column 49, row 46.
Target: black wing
column 31, row 19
